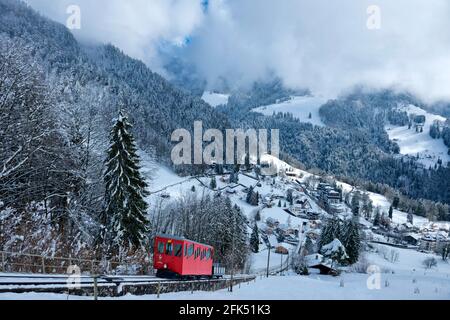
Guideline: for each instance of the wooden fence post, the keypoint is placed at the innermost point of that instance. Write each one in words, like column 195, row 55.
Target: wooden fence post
column 3, row 262
column 43, row 264
column 95, row 288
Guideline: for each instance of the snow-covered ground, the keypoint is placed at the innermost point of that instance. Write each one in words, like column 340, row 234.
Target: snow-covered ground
column 412, row 143
column 215, row 99
column 405, row 279
column 300, row 107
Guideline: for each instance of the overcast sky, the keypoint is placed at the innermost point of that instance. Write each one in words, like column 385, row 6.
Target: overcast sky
column 322, row 45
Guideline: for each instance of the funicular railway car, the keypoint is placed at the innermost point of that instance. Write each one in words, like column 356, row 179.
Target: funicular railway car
column 176, row 257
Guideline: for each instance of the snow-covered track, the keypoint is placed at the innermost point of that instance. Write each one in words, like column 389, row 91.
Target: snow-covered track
column 108, row 285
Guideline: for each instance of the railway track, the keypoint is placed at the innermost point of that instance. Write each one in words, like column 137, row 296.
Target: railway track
column 22, row 283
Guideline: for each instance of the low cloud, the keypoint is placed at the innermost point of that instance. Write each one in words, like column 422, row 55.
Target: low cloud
column 322, row 45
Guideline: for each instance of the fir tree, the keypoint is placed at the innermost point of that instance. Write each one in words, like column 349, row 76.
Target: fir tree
column 331, row 231
column 391, row 212
column 213, row 184
column 410, row 218
column 125, row 207
column 309, row 246
column 249, row 195
column 355, row 204
column 377, row 219
column 352, row 240
column 254, row 239
column 396, row 202
column 290, row 197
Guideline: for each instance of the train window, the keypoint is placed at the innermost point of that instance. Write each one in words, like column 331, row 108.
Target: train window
column 208, row 254
column 191, row 250
column 185, row 250
column 197, row 253
column 178, row 249
column 160, row 247
column 169, row 249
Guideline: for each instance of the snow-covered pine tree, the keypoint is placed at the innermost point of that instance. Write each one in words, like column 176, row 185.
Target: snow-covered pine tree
column 125, row 208
column 254, row 239
column 331, row 231
column 391, row 212
column 249, row 195
column 290, row 197
column 352, row 240
column 308, row 246
column 335, row 251
column 213, row 184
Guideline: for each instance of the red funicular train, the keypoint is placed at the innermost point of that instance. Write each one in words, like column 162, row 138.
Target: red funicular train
column 175, row 257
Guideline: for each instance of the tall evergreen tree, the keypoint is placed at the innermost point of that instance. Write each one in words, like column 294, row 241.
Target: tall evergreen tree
column 254, row 239
column 125, row 207
column 213, row 184
column 308, row 247
column 352, row 240
column 290, row 197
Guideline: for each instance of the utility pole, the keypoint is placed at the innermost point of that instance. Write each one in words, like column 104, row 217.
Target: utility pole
column 281, row 264
column 232, row 251
column 268, row 259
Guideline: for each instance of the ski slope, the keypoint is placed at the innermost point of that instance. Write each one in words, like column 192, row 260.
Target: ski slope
column 215, row 99
column 300, row 107
column 412, row 143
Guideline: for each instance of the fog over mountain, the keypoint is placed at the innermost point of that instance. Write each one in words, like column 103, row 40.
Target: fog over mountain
column 321, row 45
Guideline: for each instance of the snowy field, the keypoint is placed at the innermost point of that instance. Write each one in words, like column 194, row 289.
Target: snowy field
column 413, row 143
column 215, row 99
column 300, row 107
column 405, row 279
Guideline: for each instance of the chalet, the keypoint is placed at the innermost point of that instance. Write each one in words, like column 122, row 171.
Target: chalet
column 272, row 223
column 427, row 244
column 313, row 234
column 281, row 250
column 231, row 191
column 411, row 238
column 319, row 262
column 291, row 174
column 312, row 215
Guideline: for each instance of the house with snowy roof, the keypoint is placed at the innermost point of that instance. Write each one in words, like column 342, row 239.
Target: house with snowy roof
column 319, row 262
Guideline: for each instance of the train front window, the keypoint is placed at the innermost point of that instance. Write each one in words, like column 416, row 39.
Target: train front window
column 169, row 249
column 160, row 247
column 178, row 250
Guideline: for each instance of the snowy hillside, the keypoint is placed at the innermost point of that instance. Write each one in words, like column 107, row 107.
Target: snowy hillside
column 300, row 106
column 215, row 99
column 415, row 143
